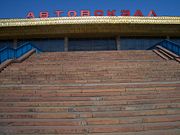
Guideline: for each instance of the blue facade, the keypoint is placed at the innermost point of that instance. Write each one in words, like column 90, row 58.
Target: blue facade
column 176, row 40
column 89, row 44
column 92, row 44
column 142, row 43
column 46, row 45
column 6, row 43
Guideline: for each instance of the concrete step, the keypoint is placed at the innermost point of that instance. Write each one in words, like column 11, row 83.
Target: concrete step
column 89, row 129
column 89, row 121
column 91, row 93
column 103, row 108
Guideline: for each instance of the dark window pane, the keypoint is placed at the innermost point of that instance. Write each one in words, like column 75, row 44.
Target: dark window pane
column 46, row 45
column 92, row 44
column 176, row 40
column 6, row 43
column 128, row 43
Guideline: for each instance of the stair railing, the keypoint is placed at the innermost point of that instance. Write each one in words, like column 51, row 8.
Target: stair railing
column 10, row 53
column 169, row 45
column 6, row 53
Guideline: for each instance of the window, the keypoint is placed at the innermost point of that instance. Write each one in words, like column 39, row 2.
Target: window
column 92, row 44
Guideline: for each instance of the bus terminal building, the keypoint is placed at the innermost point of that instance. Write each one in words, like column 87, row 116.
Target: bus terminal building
column 93, row 75
column 89, row 33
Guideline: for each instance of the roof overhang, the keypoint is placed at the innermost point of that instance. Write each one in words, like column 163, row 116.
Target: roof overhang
column 89, row 26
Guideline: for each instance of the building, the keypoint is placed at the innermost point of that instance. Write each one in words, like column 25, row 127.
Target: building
column 90, row 33
column 97, row 90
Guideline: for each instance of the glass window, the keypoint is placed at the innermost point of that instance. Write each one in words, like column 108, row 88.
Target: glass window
column 92, row 44
column 128, row 43
column 46, row 45
column 176, row 40
column 6, row 43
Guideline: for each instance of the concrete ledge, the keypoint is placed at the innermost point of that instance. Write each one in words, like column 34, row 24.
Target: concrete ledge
column 5, row 64
column 167, row 51
column 25, row 56
column 19, row 60
column 160, row 54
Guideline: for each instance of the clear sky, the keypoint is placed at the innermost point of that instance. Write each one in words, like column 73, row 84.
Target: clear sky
column 20, row 8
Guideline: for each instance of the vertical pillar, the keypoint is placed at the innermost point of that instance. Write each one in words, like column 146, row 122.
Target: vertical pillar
column 66, row 44
column 118, row 43
column 15, row 43
column 168, row 37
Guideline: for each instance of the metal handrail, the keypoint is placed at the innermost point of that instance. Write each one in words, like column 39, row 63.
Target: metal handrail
column 3, row 49
column 7, row 53
column 173, row 47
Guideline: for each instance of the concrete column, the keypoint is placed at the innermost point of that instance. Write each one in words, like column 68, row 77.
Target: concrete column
column 66, row 44
column 118, row 43
column 15, row 43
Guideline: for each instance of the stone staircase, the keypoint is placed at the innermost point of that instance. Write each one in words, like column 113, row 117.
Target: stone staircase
column 91, row 67
column 91, row 93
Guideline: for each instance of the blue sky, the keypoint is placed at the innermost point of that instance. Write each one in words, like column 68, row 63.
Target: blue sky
column 20, row 8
